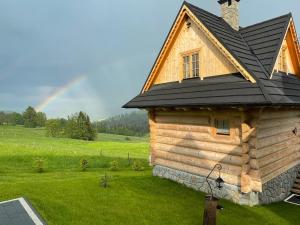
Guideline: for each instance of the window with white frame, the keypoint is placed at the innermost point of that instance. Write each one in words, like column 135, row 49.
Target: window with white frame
column 195, row 65
column 186, row 66
column 191, row 65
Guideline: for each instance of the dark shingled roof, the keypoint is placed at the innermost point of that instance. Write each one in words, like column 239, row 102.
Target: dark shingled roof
column 227, row 90
column 255, row 47
column 221, row 90
column 265, row 39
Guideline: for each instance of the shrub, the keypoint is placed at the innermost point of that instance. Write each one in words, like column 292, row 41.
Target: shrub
column 137, row 165
column 84, row 164
column 39, row 165
column 114, row 165
column 127, row 139
column 104, row 181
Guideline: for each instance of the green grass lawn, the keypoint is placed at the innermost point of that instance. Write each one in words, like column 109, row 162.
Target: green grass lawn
column 66, row 196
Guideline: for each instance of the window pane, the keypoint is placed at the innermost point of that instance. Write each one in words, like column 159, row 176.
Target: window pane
column 222, row 127
column 186, row 66
column 195, row 64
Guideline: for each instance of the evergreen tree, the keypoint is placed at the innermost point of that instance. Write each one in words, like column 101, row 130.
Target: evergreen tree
column 79, row 127
column 30, row 117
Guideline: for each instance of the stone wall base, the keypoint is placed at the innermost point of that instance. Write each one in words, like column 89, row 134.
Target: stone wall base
column 280, row 187
column 275, row 190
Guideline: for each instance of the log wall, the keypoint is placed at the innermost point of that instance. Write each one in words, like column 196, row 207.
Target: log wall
column 277, row 144
column 262, row 144
column 186, row 142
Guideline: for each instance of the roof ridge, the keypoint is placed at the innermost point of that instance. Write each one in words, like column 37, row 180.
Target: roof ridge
column 200, row 9
column 265, row 21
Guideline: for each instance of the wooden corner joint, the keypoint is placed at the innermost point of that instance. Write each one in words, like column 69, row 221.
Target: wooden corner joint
column 248, row 184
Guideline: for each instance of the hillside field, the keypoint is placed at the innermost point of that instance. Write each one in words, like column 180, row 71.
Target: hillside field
column 64, row 195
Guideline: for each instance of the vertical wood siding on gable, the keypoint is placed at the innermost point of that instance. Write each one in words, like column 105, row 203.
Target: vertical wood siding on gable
column 289, row 63
column 212, row 61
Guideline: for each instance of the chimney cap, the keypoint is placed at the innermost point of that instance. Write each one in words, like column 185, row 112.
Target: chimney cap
column 229, row 1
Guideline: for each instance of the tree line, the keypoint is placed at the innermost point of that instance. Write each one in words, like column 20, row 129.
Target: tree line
column 29, row 118
column 77, row 126
column 131, row 124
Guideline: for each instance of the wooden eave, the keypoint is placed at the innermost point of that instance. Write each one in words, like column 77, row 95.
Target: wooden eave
column 291, row 29
column 184, row 12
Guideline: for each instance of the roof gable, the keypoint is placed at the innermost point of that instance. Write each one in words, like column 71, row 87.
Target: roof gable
column 192, row 40
column 265, row 39
column 232, row 41
column 199, row 16
column 288, row 59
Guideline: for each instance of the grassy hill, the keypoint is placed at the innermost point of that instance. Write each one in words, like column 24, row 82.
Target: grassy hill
column 66, row 196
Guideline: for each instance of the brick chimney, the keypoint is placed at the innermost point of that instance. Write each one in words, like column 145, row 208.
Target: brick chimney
column 230, row 12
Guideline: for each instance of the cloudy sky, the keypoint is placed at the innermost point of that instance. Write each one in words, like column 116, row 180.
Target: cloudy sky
column 62, row 56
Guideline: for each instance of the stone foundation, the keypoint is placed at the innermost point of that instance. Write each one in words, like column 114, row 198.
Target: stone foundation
column 279, row 188
column 275, row 190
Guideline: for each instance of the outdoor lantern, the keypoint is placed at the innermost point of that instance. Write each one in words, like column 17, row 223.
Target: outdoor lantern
column 219, row 182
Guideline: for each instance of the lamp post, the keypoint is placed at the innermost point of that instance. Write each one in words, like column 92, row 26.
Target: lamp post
column 211, row 202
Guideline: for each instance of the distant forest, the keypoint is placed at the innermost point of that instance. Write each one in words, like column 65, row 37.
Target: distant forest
column 131, row 124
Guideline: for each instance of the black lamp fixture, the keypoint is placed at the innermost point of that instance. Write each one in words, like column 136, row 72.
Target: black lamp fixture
column 219, row 181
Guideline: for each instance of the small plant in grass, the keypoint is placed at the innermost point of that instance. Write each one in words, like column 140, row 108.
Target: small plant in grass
column 137, row 165
column 104, row 181
column 114, row 165
column 127, row 139
column 84, row 164
column 129, row 159
column 39, row 165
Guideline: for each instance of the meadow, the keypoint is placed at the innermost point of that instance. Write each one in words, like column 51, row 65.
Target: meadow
column 64, row 195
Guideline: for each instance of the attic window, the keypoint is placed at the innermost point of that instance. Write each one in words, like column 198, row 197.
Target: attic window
column 195, row 64
column 222, row 127
column 191, row 66
column 186, row 66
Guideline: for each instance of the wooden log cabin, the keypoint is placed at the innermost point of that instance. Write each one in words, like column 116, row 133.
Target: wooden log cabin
column 221, row 93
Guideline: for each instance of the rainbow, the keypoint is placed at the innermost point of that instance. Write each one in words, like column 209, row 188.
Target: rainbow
column 58, row 92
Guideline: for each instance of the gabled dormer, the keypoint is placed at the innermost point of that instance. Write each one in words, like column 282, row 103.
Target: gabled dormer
column 288, row 58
